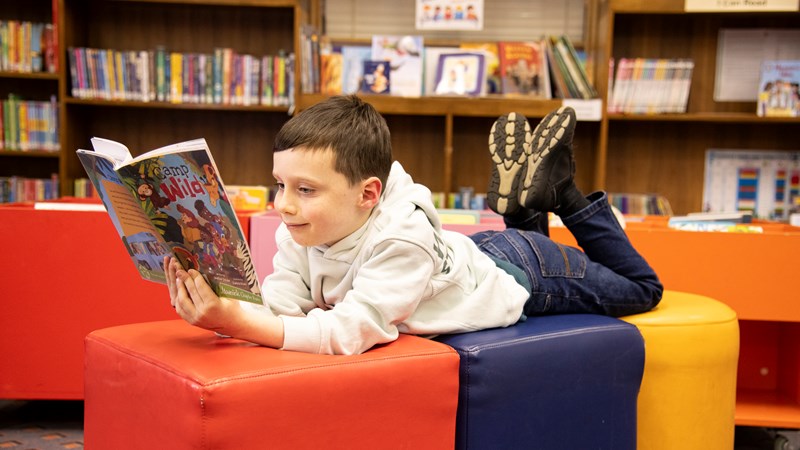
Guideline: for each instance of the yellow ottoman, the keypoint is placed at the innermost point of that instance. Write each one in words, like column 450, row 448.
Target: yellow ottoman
column 688, row 394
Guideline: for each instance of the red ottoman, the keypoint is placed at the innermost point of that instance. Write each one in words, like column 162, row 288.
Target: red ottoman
column 173, row 386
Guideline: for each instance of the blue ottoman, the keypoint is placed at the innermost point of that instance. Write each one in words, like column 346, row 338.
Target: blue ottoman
column 552, row 382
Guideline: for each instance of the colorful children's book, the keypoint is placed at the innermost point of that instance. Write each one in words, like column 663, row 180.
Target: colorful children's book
column 523, row 68
column 376, row 77
column 492, row 63
column 171, row 202
column 779, row 88
column 331, row 73
column 461, row 74
column 404, row 53
column 353, row 57
column 431, row 64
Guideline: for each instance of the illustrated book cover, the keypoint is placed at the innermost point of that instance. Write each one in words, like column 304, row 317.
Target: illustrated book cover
column 376, row 78
column 405, row 54
column 779, row 88
column 490, row 51
column 353, row 57
column 431, row 64
column 172, row 202
column 461, row 74
column 523, row 68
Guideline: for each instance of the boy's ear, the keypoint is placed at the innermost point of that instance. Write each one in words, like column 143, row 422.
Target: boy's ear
column 371, row 189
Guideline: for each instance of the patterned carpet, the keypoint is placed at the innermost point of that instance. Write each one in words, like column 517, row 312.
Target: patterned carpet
column 41, row 425
column 58, row 425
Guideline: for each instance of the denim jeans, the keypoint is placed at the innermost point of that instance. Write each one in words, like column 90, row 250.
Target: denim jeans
column 608, row 277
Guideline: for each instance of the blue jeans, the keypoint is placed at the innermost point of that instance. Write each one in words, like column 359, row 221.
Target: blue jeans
column 608, row 277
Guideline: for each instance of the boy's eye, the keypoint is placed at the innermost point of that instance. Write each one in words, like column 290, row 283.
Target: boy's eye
column 305, row 190
column 279, row 186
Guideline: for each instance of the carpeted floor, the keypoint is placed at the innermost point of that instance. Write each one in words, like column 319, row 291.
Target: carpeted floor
column 41, row 425
column 58, row 425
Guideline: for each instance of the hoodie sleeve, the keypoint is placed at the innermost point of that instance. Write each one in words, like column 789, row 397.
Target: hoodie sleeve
column 386, row 291
column 286, row 289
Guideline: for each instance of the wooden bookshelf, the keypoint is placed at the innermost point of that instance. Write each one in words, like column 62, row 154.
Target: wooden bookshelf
column 37, row 86
column 239, row 136
column 665, row 153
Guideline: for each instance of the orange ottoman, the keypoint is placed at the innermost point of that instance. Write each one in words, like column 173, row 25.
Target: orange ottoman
column 173, row 386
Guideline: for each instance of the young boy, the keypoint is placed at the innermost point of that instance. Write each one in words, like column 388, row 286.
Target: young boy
column 362, row 256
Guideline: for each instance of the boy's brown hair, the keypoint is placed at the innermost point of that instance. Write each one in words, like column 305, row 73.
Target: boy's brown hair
column 350, row 127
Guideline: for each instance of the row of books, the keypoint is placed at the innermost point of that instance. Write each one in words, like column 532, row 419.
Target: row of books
column 83, row 188
column 649, row 85
column 29, row 125
column 640, row 204
column 21, row 189
column 27, row 46
column 405, row 66
column 223, row 77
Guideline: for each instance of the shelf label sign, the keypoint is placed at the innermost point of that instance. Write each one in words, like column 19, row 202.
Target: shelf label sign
column 741, row 5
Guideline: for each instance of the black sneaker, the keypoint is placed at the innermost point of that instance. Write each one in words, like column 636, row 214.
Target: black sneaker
column 509, row 145
column 550, row 165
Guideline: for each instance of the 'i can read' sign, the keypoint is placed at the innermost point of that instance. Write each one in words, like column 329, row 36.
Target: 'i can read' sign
column 741, row 5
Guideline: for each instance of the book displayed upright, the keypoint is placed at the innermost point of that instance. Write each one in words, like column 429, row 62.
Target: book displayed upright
column 490, row 51
column 171, row 202
column 779, row 89
column 404, row 54
column 353, row 57
column 377, row 77
column 523, row 68
column 461, row 74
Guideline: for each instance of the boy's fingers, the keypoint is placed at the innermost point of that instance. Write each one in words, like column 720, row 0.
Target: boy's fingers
column 191, row 288
column 183, row 303
column 201, row 285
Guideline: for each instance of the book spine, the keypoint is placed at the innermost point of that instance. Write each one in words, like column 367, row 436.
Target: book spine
column 176, row 81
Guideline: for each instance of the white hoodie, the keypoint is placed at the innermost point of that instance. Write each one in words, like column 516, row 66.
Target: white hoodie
column 399, row 273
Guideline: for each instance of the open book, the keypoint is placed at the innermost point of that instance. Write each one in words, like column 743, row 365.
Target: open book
column 171, row 201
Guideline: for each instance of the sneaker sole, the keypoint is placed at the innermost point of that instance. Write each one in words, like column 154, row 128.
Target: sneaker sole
column 509, row 144
column 549, row 134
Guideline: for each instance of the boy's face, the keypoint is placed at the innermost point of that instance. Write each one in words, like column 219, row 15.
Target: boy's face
column 318, row 204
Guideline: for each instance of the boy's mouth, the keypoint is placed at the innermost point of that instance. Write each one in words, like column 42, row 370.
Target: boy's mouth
column 294, row 226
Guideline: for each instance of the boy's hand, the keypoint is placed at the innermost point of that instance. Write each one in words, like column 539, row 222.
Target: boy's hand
column 196, row 303
column 199, row 305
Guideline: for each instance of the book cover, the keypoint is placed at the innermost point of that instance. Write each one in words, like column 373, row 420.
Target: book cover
column 404, row 54
column 492, row 57
column 431, row 64
column 331, row 73
column 460, row 74
column 523, row 68
column 353, row 57
column 172, row 202
column 376, row 77
column 778, row 88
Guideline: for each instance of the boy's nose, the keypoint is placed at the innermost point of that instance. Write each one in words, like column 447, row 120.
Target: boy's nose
column 283, row 204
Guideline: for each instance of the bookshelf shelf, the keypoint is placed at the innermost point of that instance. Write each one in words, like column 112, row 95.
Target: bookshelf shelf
column 163, row 105
column 490, row 106
column 30, row 75
column 711, row 117
column 30, row 153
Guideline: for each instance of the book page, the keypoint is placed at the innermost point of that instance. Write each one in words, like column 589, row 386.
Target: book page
column 739, row 57
column 142, row 242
